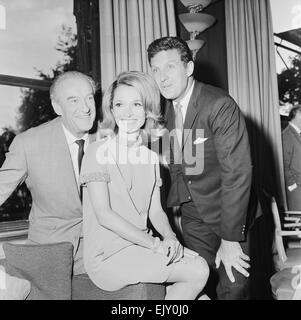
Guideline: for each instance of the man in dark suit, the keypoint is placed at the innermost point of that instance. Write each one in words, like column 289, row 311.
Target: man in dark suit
column 291, row 137
column 210, row 165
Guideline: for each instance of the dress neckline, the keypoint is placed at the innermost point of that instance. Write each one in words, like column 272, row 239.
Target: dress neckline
column 129, row 143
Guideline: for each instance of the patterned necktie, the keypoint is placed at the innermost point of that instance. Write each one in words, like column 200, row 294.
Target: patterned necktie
column 80, row 155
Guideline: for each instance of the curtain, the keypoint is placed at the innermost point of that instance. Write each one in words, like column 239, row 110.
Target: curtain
column 253, row 84
column 252, row 81
column 127, row 27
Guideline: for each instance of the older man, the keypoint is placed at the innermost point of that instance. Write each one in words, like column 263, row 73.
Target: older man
column 48, row 159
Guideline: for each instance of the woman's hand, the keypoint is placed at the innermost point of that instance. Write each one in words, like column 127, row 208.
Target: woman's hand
column 172, row 249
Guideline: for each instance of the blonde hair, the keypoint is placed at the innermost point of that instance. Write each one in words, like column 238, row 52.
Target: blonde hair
column 150, row 95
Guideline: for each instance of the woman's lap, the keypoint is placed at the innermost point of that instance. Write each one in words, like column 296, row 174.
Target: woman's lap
column 132, row 265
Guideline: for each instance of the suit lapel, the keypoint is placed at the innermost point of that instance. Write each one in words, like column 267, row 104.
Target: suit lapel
column 295, row 133
column 192, row 110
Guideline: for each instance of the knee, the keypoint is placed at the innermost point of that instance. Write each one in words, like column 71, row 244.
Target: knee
column 201, row 271
column 204, row 267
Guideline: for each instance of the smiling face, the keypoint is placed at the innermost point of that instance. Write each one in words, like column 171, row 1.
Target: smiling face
column 74, row 101
column 171, row 73
column 128, row 109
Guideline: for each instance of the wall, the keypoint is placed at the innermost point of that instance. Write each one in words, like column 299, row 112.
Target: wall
column 211, row 60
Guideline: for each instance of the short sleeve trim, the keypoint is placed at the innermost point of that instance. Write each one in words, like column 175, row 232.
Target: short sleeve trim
column 94, row 177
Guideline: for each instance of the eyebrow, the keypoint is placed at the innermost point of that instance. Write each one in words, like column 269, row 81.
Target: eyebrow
column 75, row 97
column 137, row 100
column 72, row 97
column 168, row 61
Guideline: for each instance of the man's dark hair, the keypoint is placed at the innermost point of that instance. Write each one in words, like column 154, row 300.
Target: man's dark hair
column 169, row 43
column 294, row 111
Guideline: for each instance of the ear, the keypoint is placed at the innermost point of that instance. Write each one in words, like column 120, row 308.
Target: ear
column 190, row 68
column 57, row 108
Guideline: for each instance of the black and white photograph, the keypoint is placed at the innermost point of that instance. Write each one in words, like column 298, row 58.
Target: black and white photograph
column 150, row 150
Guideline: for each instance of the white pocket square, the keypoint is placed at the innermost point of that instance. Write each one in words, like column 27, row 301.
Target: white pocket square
column 200, row 140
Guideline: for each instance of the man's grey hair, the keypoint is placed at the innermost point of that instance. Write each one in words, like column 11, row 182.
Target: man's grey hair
column 68, row 75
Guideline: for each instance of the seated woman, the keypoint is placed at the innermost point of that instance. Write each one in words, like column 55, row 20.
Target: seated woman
column 121, row 182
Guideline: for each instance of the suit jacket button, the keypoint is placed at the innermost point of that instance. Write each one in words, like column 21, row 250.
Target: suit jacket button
column 189, row 182
column 189, row 198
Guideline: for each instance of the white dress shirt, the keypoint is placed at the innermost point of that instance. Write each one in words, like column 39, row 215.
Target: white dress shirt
column 185, row 101
column 73, row 148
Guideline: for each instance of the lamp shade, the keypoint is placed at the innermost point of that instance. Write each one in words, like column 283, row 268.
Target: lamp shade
column 194, row 3
column 196, row 22
column 195, row 44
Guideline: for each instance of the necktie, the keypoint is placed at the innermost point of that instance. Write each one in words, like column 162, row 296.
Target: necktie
column 179, row 134
column 80, row 155
column 179, row 123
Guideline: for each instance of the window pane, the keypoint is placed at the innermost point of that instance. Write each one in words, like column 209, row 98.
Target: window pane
column 31, row 34
column 286, row 16
column 286, row 19
column 20, row 109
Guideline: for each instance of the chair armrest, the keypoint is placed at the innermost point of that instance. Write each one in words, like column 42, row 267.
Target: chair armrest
column 289, row 233
column 292, row 225
column 292, row 245
column 292, row 212
column 292, row 219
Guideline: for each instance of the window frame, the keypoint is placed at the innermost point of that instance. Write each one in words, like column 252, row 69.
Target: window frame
column 17, row 230
column 88, row 61
column 9, row 80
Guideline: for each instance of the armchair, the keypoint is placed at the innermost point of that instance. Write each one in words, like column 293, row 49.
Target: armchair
column 292, row 255
column 285, row 282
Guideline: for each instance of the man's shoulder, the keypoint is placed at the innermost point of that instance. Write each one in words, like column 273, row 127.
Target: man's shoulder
column 208, row 90
column 210, row 99
column 40, row 129
column 289, row 132
column 37, row 135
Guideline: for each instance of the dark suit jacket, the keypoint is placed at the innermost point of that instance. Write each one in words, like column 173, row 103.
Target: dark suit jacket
column 215, row 137
column 292, row 155
column 292, row 165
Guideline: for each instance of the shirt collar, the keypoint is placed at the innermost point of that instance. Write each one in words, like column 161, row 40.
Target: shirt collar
column 71, row 138
column 184, row 102
column 295, row 127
